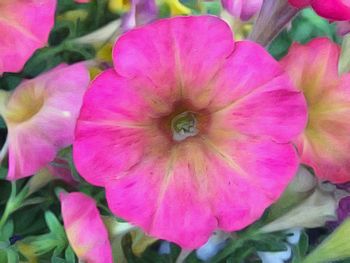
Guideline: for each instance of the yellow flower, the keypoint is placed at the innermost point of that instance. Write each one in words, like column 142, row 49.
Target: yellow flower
column 119, row 6
column 177, row 8
column 27, row 251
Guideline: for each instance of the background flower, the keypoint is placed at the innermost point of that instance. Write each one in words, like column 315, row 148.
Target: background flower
column 85, row 229
column 40, row 116
column 24, row 27
column 325, row 141
column 242, row 9
column 330, row 9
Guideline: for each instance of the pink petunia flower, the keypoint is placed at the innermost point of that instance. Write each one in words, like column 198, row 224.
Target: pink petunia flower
column 24, row 27
column 40, row 116
column 85, row 229
column 337, row 10
column 190, row 132
column 324, row 145
column 242, row 9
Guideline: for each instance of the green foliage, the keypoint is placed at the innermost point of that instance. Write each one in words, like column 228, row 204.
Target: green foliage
column 306, row 26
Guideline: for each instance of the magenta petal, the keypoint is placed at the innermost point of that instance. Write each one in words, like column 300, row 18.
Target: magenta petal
column 300, row 3
column 177, row 206
column 85, row 229
column 123, row 121
column 243, row 174
column 24, row 27
column 173, row 60
column 259, row 104
column 242, row 9
column 332, row 9
column 41, row 115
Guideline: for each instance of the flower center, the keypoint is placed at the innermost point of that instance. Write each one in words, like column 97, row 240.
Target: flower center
column 184, row 125
column 24, row 106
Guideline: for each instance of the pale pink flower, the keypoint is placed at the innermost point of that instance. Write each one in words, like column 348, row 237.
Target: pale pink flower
column 325, row 143
column 24, row 27
column 242, row 9
column 190, row 132
column 86, row 232
column 40, row 115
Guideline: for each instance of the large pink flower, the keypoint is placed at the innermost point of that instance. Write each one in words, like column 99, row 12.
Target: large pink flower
column 40, row 116
column 24, row 27
column 85, row 229
column 325, row 143
column 190, row 131
column 330, row 9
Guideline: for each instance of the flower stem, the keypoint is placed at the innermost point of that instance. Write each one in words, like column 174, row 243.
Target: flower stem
column 273, row 17
column 14, row 202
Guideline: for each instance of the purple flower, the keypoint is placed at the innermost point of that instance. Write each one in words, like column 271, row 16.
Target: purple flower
column 141, row 12
column 242, row 9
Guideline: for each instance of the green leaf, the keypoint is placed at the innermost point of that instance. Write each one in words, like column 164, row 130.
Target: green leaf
column 55, row 259
column 127, row 249
column 3, row 255
column 232, row 246
column 269, row 245
column 69, row 255
column 300, row 250
column 12, row 256
column 7, row 231
column 53, row 223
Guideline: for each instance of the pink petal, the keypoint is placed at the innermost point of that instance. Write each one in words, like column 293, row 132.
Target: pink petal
column 41, row 115
column 242, row 9
column 24, row 27
column 85, row 229
column 325, row 142
column 124, row 122
column 259, row 104
column 173, row 60
column 332, row 9
column 234, row 7
column 300, row 3
column 243, row 172
column 170, row 189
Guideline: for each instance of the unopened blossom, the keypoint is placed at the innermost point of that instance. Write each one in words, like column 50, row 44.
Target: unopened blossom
column 86, row 232
column 242, row 9
column 324, row 145
column 314, row 211
column 24, row 27
column 40, row 115
column 186, row 124
column 337, row 10
column 343, row 28
column 141, row 12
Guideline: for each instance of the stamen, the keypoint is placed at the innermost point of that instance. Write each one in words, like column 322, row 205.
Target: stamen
column 184, row 125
